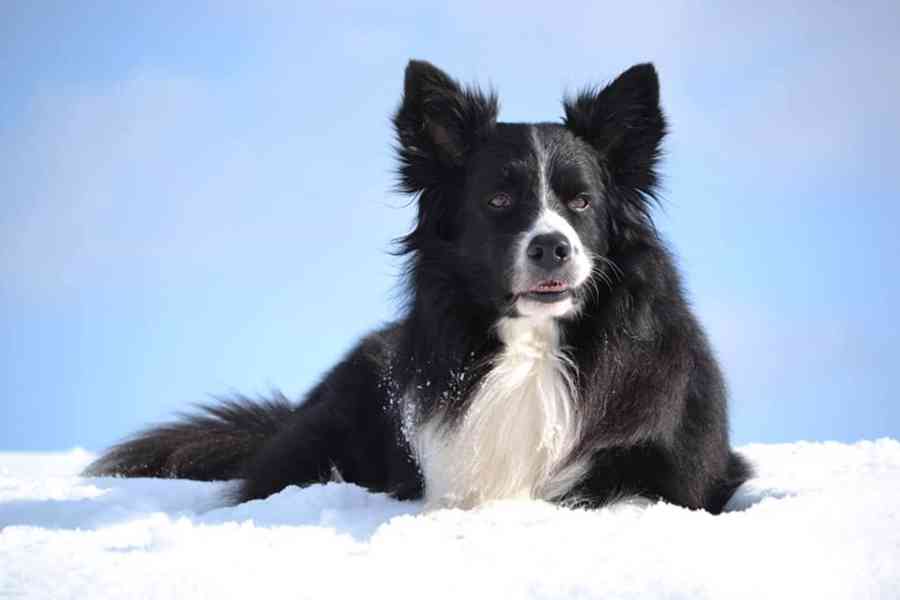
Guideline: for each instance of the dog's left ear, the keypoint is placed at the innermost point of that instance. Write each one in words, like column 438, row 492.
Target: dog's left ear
column 438, row 124
column 624, row 123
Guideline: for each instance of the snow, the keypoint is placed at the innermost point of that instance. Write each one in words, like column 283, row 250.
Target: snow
column 821, row 520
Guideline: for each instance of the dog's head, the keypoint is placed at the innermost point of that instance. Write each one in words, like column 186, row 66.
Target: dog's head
column 523, row 216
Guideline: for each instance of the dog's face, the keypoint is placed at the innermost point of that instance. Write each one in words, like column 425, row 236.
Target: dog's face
column 531, row 217
column 525, row 214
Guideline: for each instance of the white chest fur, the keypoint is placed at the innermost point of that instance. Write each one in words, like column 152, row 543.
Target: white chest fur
column 517, row 432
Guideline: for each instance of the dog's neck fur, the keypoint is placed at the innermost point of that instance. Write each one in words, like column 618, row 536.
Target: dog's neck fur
column 518, row 430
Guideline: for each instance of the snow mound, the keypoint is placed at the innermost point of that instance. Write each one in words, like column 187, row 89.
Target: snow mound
column 820, row 520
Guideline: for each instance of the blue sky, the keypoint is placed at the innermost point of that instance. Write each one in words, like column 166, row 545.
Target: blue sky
column 196, row 198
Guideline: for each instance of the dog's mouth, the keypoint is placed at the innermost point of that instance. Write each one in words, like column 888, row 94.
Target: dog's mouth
column 548, row 290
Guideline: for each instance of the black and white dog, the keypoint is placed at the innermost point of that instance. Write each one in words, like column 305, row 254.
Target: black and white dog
column 546, row 351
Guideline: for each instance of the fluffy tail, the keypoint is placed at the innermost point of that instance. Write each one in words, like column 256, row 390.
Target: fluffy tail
column 208, row 446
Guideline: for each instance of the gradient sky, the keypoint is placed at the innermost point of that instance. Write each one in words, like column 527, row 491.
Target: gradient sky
column 196, row 198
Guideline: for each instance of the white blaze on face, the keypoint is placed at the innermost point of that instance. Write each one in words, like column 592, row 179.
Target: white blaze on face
column 548, row 221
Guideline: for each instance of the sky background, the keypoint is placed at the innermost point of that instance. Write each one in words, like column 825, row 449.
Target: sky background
column 196, row 198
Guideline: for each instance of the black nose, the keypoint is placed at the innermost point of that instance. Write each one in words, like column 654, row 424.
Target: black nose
column 549, row 250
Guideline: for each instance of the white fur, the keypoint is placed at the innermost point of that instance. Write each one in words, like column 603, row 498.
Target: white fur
column 517, row 432
column 544, row 310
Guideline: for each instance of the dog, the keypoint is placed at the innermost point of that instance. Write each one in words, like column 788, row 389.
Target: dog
column 546, row 349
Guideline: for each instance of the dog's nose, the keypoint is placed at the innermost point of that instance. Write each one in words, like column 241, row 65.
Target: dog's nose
column 549, row 250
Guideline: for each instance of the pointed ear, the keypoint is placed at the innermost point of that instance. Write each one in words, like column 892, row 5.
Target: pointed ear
column 437, row 125
column 625, row 124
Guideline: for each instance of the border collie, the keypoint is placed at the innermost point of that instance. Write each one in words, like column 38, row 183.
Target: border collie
column 546, row 349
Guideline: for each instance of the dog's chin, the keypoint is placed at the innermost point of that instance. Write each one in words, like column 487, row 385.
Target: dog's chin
column 546, row 305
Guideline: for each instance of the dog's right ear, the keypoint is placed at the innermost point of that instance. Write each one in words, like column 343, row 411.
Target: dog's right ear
column 437, row 125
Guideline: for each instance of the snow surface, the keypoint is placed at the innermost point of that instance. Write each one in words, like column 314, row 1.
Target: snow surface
column 821, row 520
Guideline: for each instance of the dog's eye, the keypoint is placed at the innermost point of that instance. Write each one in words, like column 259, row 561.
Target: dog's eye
column 580, row 202
column 500, row 201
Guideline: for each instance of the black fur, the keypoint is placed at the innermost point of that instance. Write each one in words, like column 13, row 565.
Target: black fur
column 650, row 396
